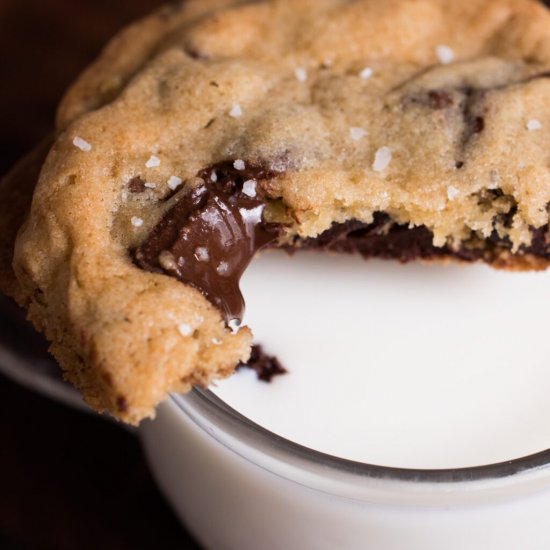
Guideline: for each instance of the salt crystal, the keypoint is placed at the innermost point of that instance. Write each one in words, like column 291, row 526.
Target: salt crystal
column 222, row 268
column 249, row 188
column 150, row 185
column 366, row 73
column 357, row 133
column 534, row 124
column 452, row 192
column 174, row 182
column 153, row 162
column 382, row 159
column 184, row 329
column 301, row 74
column 236, row 111
column 444, row 54
column 239, row 164
column 202, row 254
column 82, row 144
column 254, row 215
column 136, row 222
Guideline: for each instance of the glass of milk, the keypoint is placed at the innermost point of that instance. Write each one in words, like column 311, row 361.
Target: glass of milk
column 415, row 414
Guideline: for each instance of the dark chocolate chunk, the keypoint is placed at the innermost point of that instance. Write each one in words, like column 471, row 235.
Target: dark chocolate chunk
column 136, row 185
column 474, row 123
column 212, row 233
column 266, row 366
column 386, row 239
column 440, row 99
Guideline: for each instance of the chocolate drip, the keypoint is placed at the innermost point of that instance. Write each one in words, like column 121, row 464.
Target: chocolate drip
column 212, row 233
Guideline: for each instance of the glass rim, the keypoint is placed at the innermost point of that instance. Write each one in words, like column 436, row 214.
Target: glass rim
column 208, row 405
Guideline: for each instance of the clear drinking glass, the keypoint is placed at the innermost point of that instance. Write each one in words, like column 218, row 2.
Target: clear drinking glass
column 238, row 486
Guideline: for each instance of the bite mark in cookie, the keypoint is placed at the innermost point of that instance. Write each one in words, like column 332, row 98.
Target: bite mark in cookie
column 212, row 233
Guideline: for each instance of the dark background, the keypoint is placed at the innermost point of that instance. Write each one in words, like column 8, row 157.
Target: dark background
column 67, row 480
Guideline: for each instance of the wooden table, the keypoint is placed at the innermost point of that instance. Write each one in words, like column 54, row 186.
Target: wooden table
column 67, row 480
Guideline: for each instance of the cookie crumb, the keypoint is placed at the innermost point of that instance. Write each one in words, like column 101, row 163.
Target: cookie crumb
column 266, row 366
column 249, row 188
column 174, row 182
column 236, row 111
column 444, row 54
column 239, row 164
column 153, row 162
column 382, row 159
column 452, row 192
column 357, row 133
column 81, row 144
column 136, row 221
column 184, row 329
column 534, row 124
column 301, row 74
column 366, row 73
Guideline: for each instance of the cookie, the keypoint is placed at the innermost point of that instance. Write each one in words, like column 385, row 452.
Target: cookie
column 212, row 129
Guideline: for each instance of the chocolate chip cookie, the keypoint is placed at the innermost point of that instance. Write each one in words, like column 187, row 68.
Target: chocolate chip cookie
column 395, row 128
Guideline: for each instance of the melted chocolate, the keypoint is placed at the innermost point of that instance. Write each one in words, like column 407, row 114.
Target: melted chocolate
column 212, row 233
column 266, row 366
column 386, row 239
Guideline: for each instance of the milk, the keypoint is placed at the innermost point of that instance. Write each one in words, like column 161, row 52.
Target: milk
column 414, row 366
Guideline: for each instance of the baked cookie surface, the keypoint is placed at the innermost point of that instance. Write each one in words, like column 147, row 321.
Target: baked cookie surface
column 378, row 126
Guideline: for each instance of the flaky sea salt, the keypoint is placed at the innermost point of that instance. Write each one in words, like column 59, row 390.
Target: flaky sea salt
column 222, row 268
column 211, row 216
column 382, row 159
column 366, row 73
column 249, row 188
column 184, row 329
column 213, row 177
column 236, row 111
column 239, row 164
column 534, row 124
column 301, row 74
column 136, row 221
column 444, row 54
column 174, row 182
column 452, row 192
column 357, row 133
column 167, row 261
column 252, row 215
column 81, row 144
column 202, row 254
column 153, row 162
column 150, row 185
